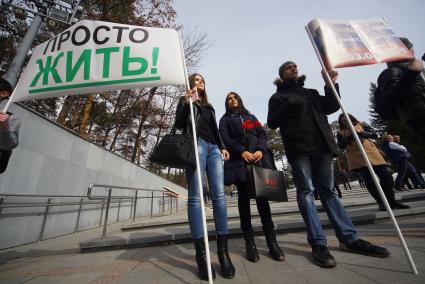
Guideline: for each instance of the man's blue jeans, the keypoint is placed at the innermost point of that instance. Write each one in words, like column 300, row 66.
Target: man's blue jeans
column 316, row 172
column 211, row 163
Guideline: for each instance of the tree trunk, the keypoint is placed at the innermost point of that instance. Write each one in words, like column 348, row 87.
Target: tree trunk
column 76, row 113
column 143, row 118
column 86, row 114
column 65, row 109
column 117, row 133
column 109, row 128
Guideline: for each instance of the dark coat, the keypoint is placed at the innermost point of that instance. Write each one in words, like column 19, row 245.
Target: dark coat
column 4, row 159
column 183, row 119
column 10, row 139
column 236, row 143
column 405, row 89
column 286, row 109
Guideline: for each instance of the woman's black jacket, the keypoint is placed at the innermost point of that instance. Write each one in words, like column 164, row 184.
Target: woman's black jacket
column 237, row 142
column 183, row 119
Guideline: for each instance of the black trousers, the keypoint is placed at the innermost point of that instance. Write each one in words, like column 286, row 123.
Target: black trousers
column 244, row 207
column 336, row 187
column 385, row 180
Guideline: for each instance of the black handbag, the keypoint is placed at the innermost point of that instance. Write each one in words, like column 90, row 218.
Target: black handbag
column 175, row 151
column 4, row 159
column 266, row 184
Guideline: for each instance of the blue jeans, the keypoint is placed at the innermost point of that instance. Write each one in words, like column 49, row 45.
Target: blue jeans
column 211, row 162
column 315, row 172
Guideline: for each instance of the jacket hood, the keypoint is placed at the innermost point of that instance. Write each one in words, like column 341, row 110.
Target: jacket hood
column 279, row 82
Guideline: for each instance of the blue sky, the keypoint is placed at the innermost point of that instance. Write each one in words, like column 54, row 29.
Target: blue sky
column 251, row 39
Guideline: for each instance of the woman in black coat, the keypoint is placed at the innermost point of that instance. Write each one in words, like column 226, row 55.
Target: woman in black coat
column 246, row 141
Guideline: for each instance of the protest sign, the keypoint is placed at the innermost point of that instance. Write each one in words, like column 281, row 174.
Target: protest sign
column 354, row 43
column 95, row 56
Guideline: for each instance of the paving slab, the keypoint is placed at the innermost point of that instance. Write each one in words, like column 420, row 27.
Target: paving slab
column 59, row 260
column 176, row 263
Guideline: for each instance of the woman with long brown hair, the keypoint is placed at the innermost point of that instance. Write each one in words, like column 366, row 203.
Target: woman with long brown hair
column 246, row 141
column 211, row 152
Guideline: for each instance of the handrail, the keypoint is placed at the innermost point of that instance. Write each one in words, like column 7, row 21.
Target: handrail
column 5, row 205
column 17, row 205
column 92, row 200
column 108, row 199
column 173, row 193
column 115, row 187
column 39, row 195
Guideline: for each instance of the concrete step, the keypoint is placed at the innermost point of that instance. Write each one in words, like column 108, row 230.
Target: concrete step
column 287, row 221
column 349, row 200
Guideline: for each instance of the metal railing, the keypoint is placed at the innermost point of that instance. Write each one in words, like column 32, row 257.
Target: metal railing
column 4, row 204
column 164, row 194
column 167, row 197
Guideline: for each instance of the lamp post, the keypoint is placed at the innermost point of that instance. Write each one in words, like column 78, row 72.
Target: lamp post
column 54, row 11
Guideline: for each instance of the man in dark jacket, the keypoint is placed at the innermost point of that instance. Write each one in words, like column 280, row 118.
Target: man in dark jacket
column 301, row 115
column 403, row 85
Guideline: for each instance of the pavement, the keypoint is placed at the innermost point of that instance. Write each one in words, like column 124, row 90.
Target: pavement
column 62, row 260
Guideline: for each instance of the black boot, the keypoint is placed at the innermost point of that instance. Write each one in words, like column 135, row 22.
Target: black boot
column 251, row 249
column 201, row 259
column 399, row 205
column 274, row 250
column 227, row 268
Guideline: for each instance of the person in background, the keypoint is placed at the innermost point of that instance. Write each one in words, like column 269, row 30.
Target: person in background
column 357, row 163
column 9, row 126
column 336, row 185
column 246, row 141
column 301, row 116
column 211, row 152
column 360, row 180
column 345, row 180
column 399, row 157
column 397, row 139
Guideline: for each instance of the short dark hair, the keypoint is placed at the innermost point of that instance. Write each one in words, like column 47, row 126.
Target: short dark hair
column 5, row 86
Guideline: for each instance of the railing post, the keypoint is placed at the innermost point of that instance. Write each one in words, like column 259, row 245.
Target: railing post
column 105, row 223
column 135, row 206
column 151, row 204
column 171, row 205
column 78, row 215
column 101, row 213
column 1, row 202
column 163, row 203
column 131, row 208
column 40, row 238
column 119, row 208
